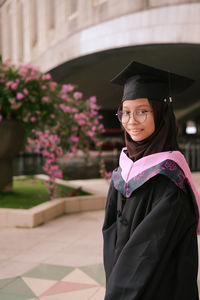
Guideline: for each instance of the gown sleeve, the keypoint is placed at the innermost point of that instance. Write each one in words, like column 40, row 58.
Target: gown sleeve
column 151, row 246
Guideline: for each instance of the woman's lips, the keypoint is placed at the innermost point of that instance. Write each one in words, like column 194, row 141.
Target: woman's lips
column 135, row 131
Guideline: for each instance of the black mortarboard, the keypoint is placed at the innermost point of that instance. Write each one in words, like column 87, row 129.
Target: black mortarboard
column 143, row 81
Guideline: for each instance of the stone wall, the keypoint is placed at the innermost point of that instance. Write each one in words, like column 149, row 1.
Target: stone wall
column 51, row 32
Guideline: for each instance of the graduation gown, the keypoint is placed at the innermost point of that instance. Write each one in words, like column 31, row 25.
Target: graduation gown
column 150, row 231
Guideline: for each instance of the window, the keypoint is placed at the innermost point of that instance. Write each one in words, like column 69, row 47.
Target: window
column 0, row 34
column 50, row 6
column 71, row 9
column 33, row 22
column 191, row 127
column 20, row 22
column 9, row 33
column 98, row 2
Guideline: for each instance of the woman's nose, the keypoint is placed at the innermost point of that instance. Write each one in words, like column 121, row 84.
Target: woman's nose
column 132, row 119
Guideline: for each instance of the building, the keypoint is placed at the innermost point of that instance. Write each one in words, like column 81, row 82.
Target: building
column 86, row 42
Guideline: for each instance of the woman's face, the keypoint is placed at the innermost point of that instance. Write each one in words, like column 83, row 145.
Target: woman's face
column 139, row 131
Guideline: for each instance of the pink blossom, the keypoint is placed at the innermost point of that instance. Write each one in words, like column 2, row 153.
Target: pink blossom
column 81, row 122
column 74, row 138
column 73, row 149
column 8, row 84
column 30, row 141
column 14, row 86
column 32, row 119
column 94, row 113
column 93, row 99
column 31, row 77
column 90, row 133
column 12, row 100
column 77, row 95
column 45, row 99
column 67, row 88
column 37, row 112
column 23, row 71
column 19, row 96
column 1, row 118
column 64, row 97
column 59, row 151
column 46, row 77
column 108, row 174
column 28, row 148
column 65, row 108
column 58, row 174
column 52, row 85
column 25, row 91
column 99, row 143
column 45, row 152
column 16, row 105
column 44, row 87
column 52, row 116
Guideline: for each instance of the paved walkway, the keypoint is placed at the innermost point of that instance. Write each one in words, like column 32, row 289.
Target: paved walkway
column 60, row 260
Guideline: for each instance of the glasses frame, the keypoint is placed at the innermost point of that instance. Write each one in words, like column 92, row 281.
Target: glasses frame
column 133, row 115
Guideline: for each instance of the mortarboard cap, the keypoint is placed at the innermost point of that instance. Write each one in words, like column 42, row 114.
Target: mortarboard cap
column 143, row 81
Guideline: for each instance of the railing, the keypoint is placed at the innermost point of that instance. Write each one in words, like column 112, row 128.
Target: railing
column 191, row 151
column 32, row 163
column 27, row 163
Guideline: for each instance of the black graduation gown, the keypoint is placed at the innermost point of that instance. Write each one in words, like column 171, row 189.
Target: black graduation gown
column 150, row 243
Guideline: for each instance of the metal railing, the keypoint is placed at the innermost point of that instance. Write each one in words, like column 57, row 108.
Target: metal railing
column 191, row 151
column 27, row 163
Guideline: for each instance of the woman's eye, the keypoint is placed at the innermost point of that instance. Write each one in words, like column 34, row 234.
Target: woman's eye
column 126, row 113
column 141, row 112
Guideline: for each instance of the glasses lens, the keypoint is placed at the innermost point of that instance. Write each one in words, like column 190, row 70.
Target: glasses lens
column 139, row 116
column 123, row 116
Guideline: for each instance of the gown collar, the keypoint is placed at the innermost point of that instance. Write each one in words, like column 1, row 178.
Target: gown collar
column 152, row 164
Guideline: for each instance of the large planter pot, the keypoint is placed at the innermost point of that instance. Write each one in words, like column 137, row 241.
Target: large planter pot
column 11, row 143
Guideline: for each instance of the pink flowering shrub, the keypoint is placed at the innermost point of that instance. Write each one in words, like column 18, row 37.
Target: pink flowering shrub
column 27, row 95
column 48, row 143
column 57, row 119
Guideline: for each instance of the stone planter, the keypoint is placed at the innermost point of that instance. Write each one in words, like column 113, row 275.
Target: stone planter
column 12, row 139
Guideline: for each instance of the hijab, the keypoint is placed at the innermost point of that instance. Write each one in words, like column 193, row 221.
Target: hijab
column 160, row 140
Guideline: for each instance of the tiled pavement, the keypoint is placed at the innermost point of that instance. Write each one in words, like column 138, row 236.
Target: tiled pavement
column 60, row 260
column 52, row 282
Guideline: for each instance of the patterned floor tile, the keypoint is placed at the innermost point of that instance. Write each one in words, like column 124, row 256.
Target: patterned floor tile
column 75, row 295
column 51, row 282
column 4, row 282
column 99, row 295
column 96, row 272
column 12, row 297
column 79, row 276
column 47, row 271
column 18, row 287
column 65, row 287
column 39, row 286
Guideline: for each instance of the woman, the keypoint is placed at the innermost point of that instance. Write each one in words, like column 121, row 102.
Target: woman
column 151, row 218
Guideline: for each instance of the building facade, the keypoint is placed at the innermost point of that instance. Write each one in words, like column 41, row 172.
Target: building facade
column 86, row 42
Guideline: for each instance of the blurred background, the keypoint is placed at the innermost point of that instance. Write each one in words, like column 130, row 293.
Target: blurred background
column 86, row 42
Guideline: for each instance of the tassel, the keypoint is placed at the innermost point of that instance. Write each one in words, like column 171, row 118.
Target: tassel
column 173, row 124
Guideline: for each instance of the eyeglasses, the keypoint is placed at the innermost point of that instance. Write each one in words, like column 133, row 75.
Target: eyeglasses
column 139, row 115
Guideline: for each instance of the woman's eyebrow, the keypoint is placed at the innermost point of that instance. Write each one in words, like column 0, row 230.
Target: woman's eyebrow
column 142, row 105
